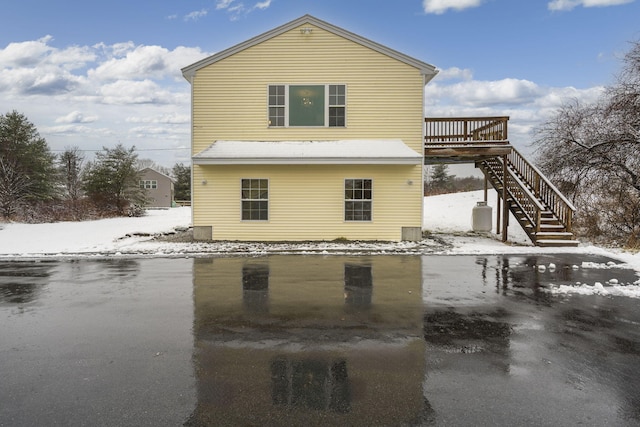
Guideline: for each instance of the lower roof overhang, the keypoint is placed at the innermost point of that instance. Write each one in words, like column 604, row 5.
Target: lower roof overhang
column 337, row 152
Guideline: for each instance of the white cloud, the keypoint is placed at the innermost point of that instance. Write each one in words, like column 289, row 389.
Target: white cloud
column 474, row 92
column 194, row 16
column 223, row 4
column 76, row 117
column 135, row 92
column 39, row 52
column 140, row 62
column 526, row 103
column 439, row 7
column 25, row 54
column 237, row 9
column 41, row 80
column 262, row 5
column 571, row 4
column 173, row 119
column 76, row 129
column 454, row 73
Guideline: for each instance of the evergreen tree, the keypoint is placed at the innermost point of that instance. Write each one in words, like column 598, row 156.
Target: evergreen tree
column 27, row 169
column 440, row 175
column 112, row 180
column 182, row 185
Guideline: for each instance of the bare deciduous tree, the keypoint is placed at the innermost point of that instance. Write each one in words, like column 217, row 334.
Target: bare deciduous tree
column 70, row 166
column 14, row 187
column 593, row 153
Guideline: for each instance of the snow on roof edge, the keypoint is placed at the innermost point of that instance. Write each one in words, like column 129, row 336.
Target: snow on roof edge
column 374, row 151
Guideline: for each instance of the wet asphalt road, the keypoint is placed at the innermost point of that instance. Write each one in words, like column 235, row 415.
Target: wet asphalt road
column 310, row 340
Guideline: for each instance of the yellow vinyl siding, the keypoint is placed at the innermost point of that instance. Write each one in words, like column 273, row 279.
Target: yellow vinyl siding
column 384, row 96
column 307, row 202
column 230, row 102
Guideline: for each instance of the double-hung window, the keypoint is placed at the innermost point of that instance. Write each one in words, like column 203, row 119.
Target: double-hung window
column 148, row 183
column 358, row 194
column 255, row 199
column 307, row 105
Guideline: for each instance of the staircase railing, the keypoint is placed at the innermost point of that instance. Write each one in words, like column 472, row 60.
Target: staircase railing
column 528, row 206
column 543, row 189
column 442, row 130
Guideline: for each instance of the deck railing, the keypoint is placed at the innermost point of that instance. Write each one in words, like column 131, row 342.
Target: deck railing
column 458, row 130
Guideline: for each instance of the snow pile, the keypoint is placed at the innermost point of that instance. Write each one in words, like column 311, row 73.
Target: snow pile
column 598, row 288
column 447, row 221
column 88, row 237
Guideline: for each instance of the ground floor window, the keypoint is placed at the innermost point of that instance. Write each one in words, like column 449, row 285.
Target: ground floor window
column 357, row 199
column 255, row 199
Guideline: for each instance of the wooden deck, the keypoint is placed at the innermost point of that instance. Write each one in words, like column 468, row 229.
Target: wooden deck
column 465, row 140
column 537, row 205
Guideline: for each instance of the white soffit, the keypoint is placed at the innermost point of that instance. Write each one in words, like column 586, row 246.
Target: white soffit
column 347, row 152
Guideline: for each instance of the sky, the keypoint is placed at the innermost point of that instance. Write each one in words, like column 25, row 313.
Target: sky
column 96, row 74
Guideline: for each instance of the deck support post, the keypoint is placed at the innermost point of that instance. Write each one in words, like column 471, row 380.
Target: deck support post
column 505, row 205
column 486, row 187
column 498, row 213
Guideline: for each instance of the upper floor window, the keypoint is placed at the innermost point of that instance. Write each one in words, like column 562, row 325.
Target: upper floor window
column 148, row 183
column 307, row 105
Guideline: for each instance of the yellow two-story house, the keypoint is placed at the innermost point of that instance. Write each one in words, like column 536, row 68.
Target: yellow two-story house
column 307, row 132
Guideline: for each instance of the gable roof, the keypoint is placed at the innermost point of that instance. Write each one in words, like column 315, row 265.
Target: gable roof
column 428, row 70
column 144, row 170
column 341, row 152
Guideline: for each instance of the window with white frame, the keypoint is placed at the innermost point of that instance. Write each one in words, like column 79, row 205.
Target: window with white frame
column 358, row 194
column 148, row 183
column 307, row 105
column 255, row 199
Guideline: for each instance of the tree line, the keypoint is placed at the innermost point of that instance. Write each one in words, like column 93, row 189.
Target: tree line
column 440, row 181
column 39, row 186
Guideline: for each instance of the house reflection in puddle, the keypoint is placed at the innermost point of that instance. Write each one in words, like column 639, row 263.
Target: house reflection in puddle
column 308, row 340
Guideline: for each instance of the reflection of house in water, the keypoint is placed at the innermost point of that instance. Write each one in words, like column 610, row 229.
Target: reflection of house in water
column 20, row 283
column 308, row 340
column 454, row 332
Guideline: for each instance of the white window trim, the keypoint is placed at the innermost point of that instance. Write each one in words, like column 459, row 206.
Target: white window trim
column 326, row 107
column 148, row 184
column 344, row 200
column 268, row 199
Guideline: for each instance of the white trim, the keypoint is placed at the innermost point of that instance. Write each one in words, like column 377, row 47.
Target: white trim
column 344, row 201
column 287, row 105
column 268, row 199
column 316, row 161
column 342, row 152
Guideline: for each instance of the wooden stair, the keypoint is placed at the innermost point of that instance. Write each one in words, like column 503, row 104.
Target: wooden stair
column 540, row 209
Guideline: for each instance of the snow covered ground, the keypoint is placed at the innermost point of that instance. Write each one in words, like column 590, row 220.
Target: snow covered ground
column 447, row 218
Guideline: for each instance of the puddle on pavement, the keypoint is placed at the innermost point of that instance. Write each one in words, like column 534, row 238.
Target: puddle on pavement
column 319, row 340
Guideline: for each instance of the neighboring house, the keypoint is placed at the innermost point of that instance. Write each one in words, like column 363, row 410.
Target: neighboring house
column 308, row 132
column 159, row 188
